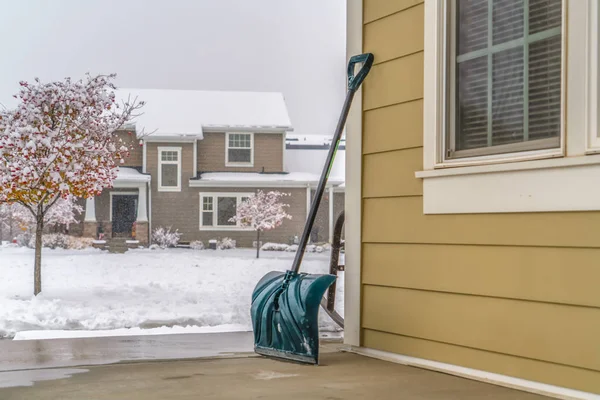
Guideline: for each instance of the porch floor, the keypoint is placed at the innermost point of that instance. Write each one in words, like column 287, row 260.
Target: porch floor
column 243, row 375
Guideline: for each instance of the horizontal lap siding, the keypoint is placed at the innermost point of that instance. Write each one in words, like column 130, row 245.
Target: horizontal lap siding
column 514, row 294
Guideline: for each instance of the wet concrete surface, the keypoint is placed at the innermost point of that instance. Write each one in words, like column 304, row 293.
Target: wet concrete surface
column 35, row 354
column 340, row 376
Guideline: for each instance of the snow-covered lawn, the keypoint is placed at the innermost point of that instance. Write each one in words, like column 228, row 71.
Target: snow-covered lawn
column 94, row 290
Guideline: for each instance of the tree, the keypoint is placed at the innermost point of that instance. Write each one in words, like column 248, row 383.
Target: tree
column 63, row 212
column 58, row 143
column 262, row 212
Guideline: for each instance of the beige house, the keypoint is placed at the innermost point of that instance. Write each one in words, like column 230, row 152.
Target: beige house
column 200, row 154
column 472, row 199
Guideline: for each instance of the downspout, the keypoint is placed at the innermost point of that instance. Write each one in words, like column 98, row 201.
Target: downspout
column 149, row 190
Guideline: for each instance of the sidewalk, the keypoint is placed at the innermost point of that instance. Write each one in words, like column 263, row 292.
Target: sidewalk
column 236, row 376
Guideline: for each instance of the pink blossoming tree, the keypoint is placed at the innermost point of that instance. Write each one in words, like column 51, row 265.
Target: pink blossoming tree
column 58, row 143
column 262, row 212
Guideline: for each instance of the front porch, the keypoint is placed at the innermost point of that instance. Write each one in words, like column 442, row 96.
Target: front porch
column 120, row 212
column 216, row 366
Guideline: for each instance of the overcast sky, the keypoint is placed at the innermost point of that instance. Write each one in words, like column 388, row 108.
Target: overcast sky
column 293, row 46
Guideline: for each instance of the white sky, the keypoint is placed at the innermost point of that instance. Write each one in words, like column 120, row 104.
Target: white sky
column 293, row 46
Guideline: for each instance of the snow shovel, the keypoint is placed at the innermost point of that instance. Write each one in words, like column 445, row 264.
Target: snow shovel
column 285, row 305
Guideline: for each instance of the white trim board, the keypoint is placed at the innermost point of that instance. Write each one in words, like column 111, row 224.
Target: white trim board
column 571, row 188
column 353, row 203
column 477, row 375
column 239, row 164
column 159, row 151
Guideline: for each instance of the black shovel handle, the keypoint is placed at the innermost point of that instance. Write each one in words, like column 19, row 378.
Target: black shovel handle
column 354, row 83
column 366, row 59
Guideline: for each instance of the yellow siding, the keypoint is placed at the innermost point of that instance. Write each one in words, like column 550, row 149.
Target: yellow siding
column 514, row 294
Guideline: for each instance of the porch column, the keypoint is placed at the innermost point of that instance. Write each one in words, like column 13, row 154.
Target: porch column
column 142, row 213
column 90, row 210
column 331, row 214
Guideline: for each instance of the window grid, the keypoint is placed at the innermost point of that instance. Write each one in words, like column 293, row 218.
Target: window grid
column 489, row 51
column 209, row 200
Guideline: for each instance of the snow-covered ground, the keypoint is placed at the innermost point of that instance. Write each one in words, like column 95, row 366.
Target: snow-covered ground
column 176, row 290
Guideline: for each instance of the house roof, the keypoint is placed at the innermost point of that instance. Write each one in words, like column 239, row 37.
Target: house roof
column 181, row 113
column 312, row 160
column 256, row 179
column 128, row 174
column 294, row 141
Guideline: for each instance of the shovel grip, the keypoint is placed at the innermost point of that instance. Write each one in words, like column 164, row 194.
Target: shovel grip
column 354, row 81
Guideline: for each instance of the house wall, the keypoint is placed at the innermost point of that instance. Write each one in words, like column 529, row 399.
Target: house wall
column 287, row 230
column 514, row 294
column 268, row 153
column 135, row 157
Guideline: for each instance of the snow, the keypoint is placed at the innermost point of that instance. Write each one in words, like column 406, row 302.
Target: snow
column 190, row 112
column 208, row 178
column 182, row 289
column 311, row 161
column 126, row 174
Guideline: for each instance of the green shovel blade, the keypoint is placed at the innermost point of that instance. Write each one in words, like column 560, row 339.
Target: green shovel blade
column 285, row 317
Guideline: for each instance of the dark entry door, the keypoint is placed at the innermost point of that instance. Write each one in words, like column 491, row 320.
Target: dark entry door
column 124, row 213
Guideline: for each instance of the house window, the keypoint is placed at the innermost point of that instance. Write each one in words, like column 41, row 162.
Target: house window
column 218, row 209
column 239, row 149
column 505, row 77
column 169, row 169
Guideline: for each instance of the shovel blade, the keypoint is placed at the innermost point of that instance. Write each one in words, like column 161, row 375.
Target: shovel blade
column 289, row 329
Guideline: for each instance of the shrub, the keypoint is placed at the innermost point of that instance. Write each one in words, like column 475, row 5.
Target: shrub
column 226, row 243
column 274, row 247
column 154, row 247
column 197, row 245
column 80, row 243
column 52, row 241
column 293, row 248
column 165, row 238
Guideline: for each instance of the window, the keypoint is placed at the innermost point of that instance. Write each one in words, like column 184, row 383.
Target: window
column 218, row 209
column 504, row 77
column 169, row 169
column 239, row 149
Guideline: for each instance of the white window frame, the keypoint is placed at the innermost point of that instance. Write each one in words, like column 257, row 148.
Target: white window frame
column 162, row 188
column 215, row 196
column 239, row 164
column 536, row 181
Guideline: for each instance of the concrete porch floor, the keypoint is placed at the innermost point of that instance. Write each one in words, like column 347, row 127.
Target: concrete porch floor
column 240, row 375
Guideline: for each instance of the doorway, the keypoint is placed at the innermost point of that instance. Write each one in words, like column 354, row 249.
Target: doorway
column 124, row 213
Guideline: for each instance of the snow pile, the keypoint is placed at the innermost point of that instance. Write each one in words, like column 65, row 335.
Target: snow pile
column 94, row 290
column 274, row 247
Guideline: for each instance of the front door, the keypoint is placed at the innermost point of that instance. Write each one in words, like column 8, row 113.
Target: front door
column 124, row 213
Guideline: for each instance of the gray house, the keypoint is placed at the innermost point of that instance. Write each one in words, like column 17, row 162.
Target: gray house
column 197, row 155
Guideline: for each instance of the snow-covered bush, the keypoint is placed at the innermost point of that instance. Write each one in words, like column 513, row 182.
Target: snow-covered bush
column 274, row 247
column 80, row 243
column 293, row 248
column 319, row 249
column 52, row 241
column 197, row 245
column 164, row 238
column 226, row 243
column 154, row 247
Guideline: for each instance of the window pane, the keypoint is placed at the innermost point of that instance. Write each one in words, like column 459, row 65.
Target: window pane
column 472, row 26
column 544, row 14
column 472, row 119
column 240, row 155
column 508, row 20
column 169, row 175
column 240, row 140
column 207, row 218
column 169, row 156
column 544, row 88
column 507, row 97
column 207, row 204
column 226, row 209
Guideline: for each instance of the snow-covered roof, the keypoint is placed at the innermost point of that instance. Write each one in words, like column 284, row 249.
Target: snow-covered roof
column 311, row 161
column 173, row 113
column 308, row 141
column 127, row 174
column 256, row 179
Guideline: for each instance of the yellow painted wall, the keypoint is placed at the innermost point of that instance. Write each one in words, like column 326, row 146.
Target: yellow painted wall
column 514, row 294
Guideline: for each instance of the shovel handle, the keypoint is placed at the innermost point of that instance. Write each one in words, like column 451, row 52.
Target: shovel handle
column 366, row 59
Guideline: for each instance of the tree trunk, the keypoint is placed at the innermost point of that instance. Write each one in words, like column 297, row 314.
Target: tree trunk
column 37, row 269
column 257, row 242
